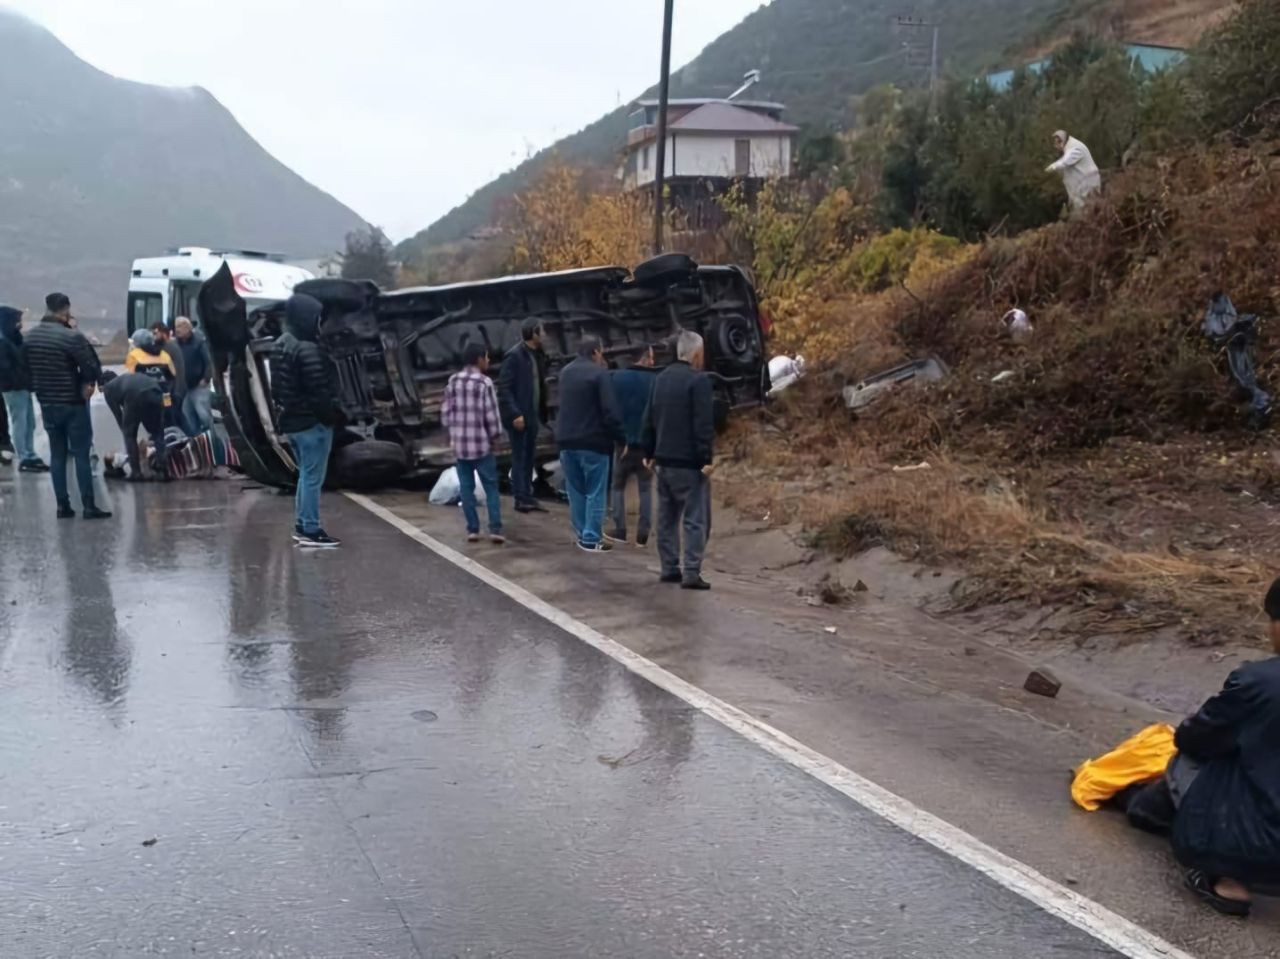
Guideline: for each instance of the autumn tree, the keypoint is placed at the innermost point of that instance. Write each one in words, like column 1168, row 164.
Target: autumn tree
column 368, row 256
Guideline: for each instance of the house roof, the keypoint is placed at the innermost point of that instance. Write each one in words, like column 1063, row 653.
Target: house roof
column 723, row 117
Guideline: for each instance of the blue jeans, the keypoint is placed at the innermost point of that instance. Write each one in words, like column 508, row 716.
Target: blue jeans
column 311, row 449
column 197, row 410
column 524, row 447
column 487, row 470
column 586, row 480
column 22, row 423
column 69, row 428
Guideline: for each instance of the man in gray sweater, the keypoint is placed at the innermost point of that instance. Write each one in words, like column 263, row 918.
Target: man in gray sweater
column 679, row 433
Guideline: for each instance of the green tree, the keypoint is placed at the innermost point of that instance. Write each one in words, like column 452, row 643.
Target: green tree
column 1235, row 69
column 368, row 257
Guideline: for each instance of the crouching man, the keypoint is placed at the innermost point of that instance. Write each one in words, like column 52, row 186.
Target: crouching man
column 136, row 399
column 1225, row 784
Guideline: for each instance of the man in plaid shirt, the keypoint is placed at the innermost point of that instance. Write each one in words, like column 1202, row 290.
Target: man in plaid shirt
column 470, row 414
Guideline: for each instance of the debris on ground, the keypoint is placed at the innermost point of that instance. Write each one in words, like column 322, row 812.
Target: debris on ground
column 861, row 395
column 1016, row 325
column 150, row 842
column 1042, row 682
column 1238, row 335
column 784, row 371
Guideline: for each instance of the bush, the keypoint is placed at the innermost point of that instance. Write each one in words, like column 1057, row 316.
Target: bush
column 1235, row 69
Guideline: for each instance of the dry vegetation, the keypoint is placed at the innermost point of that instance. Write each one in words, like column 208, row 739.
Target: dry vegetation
column 1112, row 470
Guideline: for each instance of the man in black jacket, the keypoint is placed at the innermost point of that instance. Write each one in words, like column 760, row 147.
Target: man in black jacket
column 307, row 408
column 587, row 429
column 1225, row 783
column 679, row 434
column 64, row 369
column 15, row 390
column 135, row 399
column 522, row 403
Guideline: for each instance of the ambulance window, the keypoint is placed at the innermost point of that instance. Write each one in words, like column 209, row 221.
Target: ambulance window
column 144, row 310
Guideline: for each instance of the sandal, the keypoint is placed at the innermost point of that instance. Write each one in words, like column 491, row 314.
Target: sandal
column 1203, row 886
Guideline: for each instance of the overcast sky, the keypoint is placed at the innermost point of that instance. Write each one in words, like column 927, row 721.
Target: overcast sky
column 400, row 108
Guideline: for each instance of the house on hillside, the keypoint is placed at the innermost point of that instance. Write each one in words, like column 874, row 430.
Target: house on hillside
column 1150, row 56
column 711, row 143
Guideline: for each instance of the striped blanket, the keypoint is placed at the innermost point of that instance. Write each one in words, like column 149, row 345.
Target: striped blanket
column 198, row 457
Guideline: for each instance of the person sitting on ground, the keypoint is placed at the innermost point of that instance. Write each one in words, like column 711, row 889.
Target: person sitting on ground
column 470, row 413
column 587, row 430
column 1225, row 784
column 679, row 434
column 633, row 387
column 136, row 399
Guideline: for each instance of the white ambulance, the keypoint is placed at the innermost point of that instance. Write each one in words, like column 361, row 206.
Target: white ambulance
column 166, row 287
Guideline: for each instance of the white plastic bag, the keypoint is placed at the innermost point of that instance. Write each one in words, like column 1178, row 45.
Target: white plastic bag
column 448, row 490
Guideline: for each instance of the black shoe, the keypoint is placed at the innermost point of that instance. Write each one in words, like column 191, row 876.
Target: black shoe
column 92, row 512
column 670, row 578
column 601, row 547
column 694, row 582
column 33, row 466
column 1203, row 886
column 642, row 540
column 533, row 507
column 319, row 540
column 66, row 512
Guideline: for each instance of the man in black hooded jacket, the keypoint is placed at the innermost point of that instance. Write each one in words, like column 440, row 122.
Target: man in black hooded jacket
column 15, row 390
column 307, row 408
column 1225, row 782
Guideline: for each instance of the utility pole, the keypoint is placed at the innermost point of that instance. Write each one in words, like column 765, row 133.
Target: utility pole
column 915, row 51
column 664, row 96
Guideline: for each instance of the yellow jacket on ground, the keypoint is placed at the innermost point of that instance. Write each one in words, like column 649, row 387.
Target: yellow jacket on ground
column 1138, row 759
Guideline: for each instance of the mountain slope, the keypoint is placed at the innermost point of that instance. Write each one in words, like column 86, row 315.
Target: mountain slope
column 95, row 171
column 815, row 55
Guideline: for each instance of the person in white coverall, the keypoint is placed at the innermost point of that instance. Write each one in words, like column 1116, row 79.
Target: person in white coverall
column 1079, row 173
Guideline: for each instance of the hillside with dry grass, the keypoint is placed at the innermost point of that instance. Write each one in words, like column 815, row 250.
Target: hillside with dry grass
column 1110, row 466
column 1172, row 23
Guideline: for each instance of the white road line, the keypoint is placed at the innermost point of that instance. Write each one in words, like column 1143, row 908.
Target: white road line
column 1104, row 925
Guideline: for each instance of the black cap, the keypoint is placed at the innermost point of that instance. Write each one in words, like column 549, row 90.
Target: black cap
column 57, row 302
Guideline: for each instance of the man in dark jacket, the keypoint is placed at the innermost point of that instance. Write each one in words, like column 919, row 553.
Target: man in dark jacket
column 135, row 399
column 15, row 388
column 632, row 387
column 1225, row 782
column 64, row 369
column 522, row 402
column 678, row 437
column 197, row 363
column 307, row 407
column 587, row 429
column 164, row 339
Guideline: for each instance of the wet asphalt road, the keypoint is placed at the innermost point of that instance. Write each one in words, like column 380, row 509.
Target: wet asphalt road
column 368, row 753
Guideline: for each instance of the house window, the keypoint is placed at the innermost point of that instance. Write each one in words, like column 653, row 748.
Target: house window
column 742, row 157
column 646, row 160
